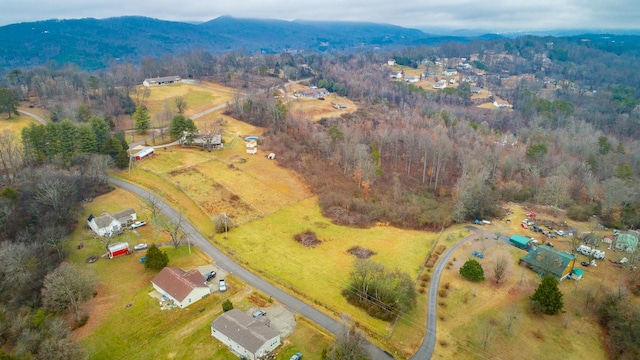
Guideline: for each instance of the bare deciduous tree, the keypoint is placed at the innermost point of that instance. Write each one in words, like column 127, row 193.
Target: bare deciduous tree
column 67, row 287
column 175, row 231
column 500, row 268
column 10, row 155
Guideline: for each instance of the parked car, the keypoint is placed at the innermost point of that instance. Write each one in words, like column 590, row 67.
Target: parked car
column 296, row 356
column 531, row 214
column 140, row 247
column 524, row 226
column 584, row 263
column 137, row 224
column 478, row 222
column 259, row 313
column 210, row 275
column 223, row 285
column 560, row 233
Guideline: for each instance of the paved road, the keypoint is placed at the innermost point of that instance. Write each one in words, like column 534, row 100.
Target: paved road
column 40, row 120
column 255, row 281
column 426, row 349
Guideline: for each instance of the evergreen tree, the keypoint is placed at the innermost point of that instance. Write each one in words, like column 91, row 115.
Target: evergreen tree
column 227, row 305
column 182, row 126
column 8, row 102
column 548, row 296
column 100, row 127
column 122, row 159
column 472, row 270
column 156, row 258
column 142, row 119
column 87, row 142
column 67, row 140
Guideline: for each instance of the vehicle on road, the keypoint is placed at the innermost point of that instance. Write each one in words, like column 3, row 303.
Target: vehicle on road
column 140, row 247
column 259, row 313
column 296, row 356
column 223, row 285
column 137, row 224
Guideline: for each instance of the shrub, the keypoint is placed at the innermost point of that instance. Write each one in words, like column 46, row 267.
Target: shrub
column 425, row 277
column 472, row 270
column 156, row 258
column 442, row 293
column 227, row 305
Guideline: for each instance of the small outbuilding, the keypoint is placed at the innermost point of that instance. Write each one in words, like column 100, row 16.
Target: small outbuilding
column 142, row 154
column 252, row 147
column 576, row 274
column 519, row 241
column 271, row 156
column 117, row 249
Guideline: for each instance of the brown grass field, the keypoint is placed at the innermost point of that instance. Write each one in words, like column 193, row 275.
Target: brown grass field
column 16, row 123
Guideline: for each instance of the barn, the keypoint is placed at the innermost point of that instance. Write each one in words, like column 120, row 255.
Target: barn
column 117, row 249
column 144, row 153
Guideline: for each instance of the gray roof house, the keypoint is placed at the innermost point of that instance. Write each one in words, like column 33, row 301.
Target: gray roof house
column 108, row 224
column 157, row 81
column 245, row 335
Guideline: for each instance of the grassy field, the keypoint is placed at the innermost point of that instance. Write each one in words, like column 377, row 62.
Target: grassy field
column 497, row 323
column 198, row 98
column 16, row 123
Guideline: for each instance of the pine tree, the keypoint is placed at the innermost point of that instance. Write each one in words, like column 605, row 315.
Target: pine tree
column 548, row 295
column 472, row 270
column 142, row 119
column 156, row 258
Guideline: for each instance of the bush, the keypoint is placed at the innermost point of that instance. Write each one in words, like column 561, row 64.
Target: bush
column 227, row 305
column 472, row 270
column 425, row 277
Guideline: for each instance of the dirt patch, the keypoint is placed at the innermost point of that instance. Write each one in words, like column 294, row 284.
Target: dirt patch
column 342, row 216
column 360, row 252
column 238, row 159
column 307, row 239
column 255, row 299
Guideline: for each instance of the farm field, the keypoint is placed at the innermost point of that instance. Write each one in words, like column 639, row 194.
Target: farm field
column 198, row 98
column 317, row 109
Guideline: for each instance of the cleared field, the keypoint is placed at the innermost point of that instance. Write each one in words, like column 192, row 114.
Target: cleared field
column 198, row 98
column 321, row 273
column 316, row 109
column 16, row 123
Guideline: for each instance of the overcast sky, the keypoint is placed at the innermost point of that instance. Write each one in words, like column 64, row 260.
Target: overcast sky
column 495, row 15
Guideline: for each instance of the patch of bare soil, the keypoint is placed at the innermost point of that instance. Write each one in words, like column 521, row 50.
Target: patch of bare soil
column 360, row 252
column 98, row 307
column 342, row 216
column 307, row 239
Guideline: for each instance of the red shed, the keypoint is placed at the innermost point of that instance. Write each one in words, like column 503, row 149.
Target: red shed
column 118, row 249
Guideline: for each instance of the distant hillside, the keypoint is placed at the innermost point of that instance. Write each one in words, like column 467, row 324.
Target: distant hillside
column 93, row 43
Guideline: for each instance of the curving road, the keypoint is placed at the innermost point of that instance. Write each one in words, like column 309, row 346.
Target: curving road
column 38, row 118
column 426, row 349
column 223, row 261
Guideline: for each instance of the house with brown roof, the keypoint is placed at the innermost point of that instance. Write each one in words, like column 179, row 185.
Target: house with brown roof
column 109, row 224
column 245, row 335
column 183, row 288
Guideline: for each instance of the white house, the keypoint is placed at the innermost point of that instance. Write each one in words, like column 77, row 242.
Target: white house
column 244, row 335
column 440, row 84
column 165, row 80
column 182, row 287
column 449, row 72
column 108, row 224
column 499, row 103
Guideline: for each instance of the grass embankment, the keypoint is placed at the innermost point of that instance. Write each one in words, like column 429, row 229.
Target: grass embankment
column 16, row 123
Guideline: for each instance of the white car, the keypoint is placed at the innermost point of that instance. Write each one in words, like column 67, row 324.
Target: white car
column 223, row 285
column 137, row 224
column 140, row 247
